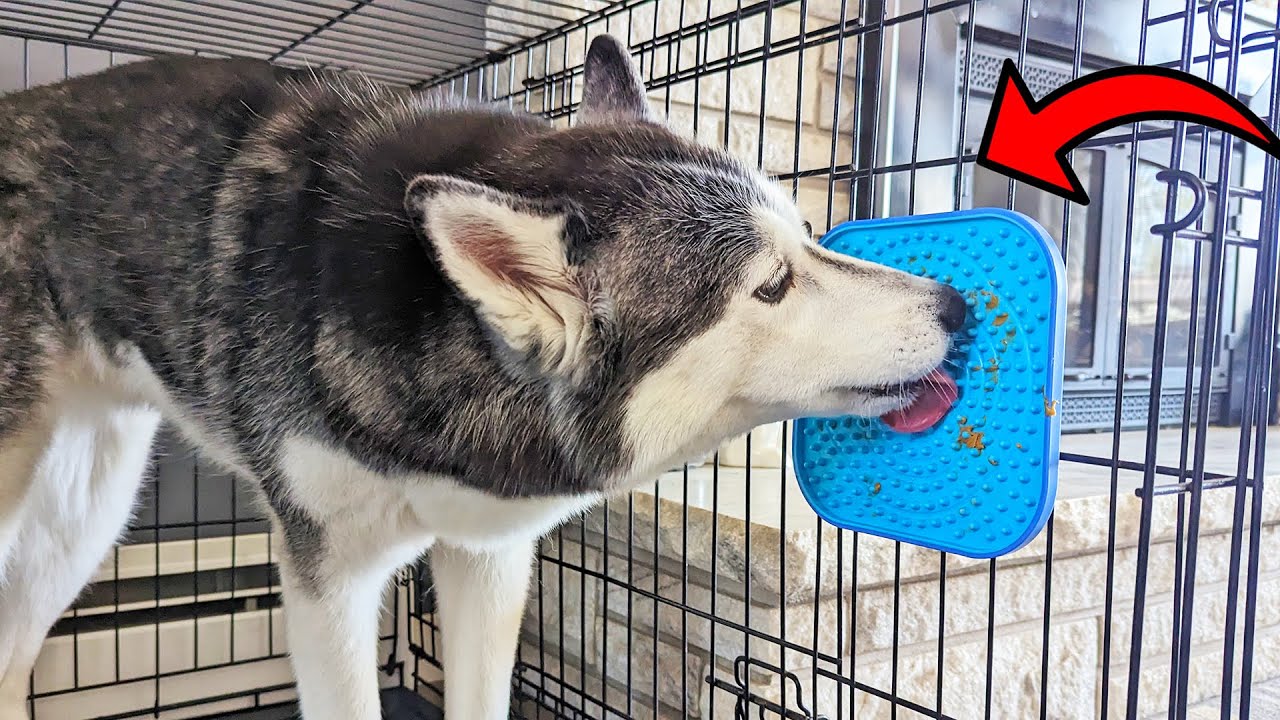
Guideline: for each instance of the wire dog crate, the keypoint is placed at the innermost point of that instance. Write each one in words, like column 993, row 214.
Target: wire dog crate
column 717, row 593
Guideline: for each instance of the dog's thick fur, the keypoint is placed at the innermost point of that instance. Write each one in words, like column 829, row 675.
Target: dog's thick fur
column 410, row 325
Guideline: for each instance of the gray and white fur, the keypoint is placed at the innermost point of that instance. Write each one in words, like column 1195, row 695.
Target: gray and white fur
column 408, row 324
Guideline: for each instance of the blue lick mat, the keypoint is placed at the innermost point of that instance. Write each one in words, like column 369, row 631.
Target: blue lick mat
column 981, row 483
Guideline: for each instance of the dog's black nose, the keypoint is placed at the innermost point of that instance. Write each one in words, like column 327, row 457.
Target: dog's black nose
column 951, row 309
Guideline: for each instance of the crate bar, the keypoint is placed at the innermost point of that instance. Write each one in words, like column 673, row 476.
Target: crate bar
column 1256, row 407
column 439, row 41
column 675, row 37
column 1262, row 360
column 1153, row 409
column 256, row 693
column 1217, row 270
column 372, row 11
column 613, row 8
column 105, row 17
column 353, row 8
column 146, row 678
column 794, row 44
column 156, row 20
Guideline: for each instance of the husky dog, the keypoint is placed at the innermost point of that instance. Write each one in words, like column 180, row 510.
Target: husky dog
column 409, row 325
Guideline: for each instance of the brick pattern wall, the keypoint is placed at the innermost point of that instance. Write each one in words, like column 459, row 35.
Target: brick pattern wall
column 780, row 113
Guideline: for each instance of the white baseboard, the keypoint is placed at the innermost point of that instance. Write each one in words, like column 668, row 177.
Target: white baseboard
column 90, row 658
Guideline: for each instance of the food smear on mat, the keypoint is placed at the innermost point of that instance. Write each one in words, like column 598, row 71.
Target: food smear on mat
column 1050, row 407
column 994, row 371
column 970, row 438
column 1008, row 338
column 936, row 394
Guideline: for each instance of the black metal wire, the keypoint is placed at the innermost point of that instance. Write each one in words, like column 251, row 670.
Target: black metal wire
column 1261, row 353
column 416, row 42
column 534, row 62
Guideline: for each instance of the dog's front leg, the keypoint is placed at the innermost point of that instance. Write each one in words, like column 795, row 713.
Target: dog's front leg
column 332, row 601
column 331, row 624
column 481, row 594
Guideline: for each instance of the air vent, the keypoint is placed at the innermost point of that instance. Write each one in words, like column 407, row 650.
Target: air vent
column 1097, row 411
column 1042, row 77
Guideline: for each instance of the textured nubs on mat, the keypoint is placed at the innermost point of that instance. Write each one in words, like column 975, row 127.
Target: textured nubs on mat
column 980, row 483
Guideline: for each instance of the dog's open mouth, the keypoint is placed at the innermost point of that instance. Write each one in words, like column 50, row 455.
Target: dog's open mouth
column 932, row 396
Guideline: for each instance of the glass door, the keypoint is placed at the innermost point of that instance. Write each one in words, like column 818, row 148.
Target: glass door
column 1077, row 229
column 1189, row 260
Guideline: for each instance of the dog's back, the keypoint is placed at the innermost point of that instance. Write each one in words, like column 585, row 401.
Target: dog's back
column 107, row 186
column 174, row 237
column 165, row 206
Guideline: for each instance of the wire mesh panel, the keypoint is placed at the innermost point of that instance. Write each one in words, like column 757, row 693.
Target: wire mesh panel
column 184, row 618
column 397, row 41
column 718, row 593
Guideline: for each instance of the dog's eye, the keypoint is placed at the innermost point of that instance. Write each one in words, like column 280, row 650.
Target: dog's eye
column 772, row 291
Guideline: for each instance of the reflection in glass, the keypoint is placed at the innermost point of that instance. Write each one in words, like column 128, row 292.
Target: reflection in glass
column 1144, row 280
column 1082, row 246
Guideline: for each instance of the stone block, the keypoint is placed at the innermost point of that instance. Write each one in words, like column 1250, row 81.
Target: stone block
column 1080, row 529
column 770, row 87
column 705, row 125
column 783, row 23
column 1081, row 524
column 830, row 10
column 501, row 17
column 1204, row 679
column 720, row 43
column 1016, row 675
column 766, row 448
column 563, row 601
column 681, row 618
column 673, row 16
column 773, row 147
column 842, row 60
column 815, row 195
column 827, row 116
column 658, row 668
column 1077, row 583
column 607, row 687
column 548, row 680
column 1209, row 613
column 811, row 558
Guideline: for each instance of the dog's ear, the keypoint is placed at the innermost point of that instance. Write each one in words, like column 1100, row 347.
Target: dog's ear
column 509, row 257
column 612, row 90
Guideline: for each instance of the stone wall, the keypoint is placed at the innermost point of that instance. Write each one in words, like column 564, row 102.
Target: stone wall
column 833, row 601
column 729, row 107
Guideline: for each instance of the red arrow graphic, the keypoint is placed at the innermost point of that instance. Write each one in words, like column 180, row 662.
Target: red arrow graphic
column 1029, row 140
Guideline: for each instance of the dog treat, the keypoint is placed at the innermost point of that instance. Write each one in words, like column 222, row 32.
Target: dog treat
column 969, row 465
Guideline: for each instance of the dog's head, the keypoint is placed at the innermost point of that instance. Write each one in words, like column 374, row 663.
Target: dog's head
column 672, row 293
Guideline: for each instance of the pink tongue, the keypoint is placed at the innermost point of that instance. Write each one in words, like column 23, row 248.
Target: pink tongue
column 936, row 396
